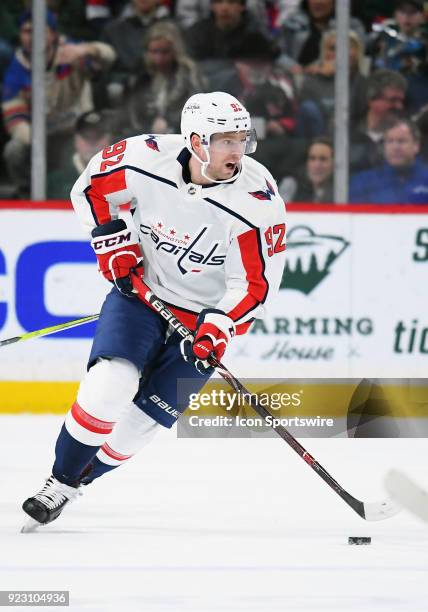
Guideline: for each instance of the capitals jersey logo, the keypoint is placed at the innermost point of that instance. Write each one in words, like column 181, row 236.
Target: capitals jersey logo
column 151, row 142
column 264, row 194
column 183, row 248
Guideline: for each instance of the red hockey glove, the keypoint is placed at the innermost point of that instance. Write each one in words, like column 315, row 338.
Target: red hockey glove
column 119, row 253
column 214, row 330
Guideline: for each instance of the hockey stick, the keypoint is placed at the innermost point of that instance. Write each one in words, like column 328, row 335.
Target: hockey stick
column 49, row 330
column 372, row 511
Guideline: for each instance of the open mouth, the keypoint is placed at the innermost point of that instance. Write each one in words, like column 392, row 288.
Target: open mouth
column 231, row 166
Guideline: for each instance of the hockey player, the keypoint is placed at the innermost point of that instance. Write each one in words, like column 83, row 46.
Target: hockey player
column 207, row 233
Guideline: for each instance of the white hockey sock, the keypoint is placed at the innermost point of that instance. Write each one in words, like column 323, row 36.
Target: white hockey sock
column 134, row 430
column 104, row 393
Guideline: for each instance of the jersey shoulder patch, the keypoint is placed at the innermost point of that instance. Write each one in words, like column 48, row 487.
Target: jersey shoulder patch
column 264, row 194
column 152, row 143
column 258, row 200
column 154, row 153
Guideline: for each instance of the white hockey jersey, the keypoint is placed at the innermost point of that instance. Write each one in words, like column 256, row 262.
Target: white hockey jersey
column 216, row 246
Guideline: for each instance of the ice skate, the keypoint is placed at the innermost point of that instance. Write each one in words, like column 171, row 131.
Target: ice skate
column 48, row 503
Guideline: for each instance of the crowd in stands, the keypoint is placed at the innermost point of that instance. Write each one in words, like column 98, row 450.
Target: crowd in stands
column 116, row 68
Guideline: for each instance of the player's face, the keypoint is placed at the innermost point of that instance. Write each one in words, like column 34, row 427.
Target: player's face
column 320, row 163
column 400, row 146
column 226, row 151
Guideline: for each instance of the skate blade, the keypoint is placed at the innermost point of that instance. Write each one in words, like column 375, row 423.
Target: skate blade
column 30, row 526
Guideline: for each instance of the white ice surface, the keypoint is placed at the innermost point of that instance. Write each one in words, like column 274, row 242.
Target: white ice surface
column 216, row 525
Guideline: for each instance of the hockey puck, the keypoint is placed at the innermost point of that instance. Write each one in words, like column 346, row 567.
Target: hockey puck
column 359, row 540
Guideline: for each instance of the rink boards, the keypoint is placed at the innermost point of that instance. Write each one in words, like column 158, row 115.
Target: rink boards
column 352, row 301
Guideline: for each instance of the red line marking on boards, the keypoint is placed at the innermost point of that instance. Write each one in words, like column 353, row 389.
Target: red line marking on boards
column 32, row 205
column 361, row 209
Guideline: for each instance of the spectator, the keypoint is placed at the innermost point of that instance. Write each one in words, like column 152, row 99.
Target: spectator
column 403, row 178
column 92, row 134
column 267, row 92
column 9, row 13
column 269, row 13
column 317, row 95
column 386, row 93
column 169, row 79
column 223, row 33
column 315, row 184
column 399, row 43
column 126, row 34
column 189, row 12
column 68, row 93
column 402, row 45
column 300, row 35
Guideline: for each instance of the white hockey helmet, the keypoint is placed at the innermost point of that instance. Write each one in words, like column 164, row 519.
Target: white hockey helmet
column 206, row 114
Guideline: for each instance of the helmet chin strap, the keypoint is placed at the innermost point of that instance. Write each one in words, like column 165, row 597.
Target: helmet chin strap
column 205, row 164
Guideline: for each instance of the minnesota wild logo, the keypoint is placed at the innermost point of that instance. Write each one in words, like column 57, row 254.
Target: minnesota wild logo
column 309, row 258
